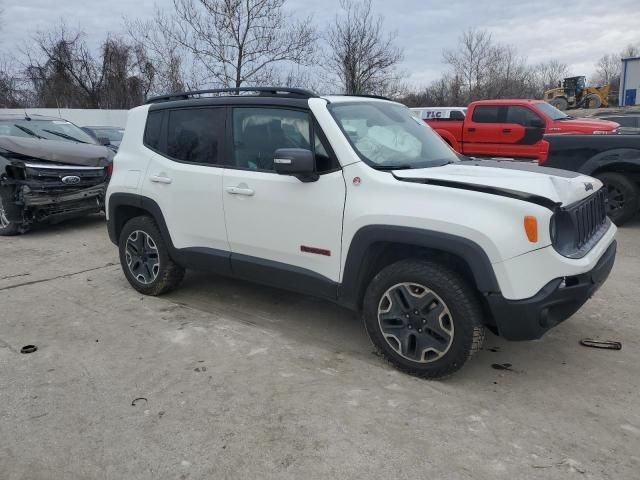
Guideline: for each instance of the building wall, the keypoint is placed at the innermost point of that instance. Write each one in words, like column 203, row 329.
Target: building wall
column 81, row 117
column 630, row 82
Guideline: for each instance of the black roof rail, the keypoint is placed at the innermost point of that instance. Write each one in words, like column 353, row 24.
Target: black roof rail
column 262, row 91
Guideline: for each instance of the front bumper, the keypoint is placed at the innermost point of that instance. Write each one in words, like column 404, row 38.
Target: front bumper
column 50, row 206
column 530, row 318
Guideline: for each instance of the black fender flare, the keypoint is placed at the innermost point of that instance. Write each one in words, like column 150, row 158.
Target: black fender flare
column 117, row 200
column 618, row 156
column 352, row 288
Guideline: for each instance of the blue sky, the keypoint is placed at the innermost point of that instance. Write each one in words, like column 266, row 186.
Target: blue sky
column 576, row 32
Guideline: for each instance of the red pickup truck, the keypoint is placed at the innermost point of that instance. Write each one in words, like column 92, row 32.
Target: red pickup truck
column 512, row 128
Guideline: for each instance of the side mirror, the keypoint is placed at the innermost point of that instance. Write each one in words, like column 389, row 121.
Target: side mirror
column 537, row 123
column 298, row 162
column 104, row 141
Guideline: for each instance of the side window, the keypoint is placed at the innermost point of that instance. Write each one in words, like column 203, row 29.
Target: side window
column 259, row 132
column 153, row 130
column 486, row 114
column 456, row 115
column 521, row 116
column 195, row 135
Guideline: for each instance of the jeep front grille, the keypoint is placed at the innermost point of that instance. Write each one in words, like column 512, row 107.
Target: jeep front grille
column 578, row 227
column 590, row 215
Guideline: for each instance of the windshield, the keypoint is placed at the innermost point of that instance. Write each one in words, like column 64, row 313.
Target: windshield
column 388, row 136
column 550, row 111
column 46, row 129
column 113, row 134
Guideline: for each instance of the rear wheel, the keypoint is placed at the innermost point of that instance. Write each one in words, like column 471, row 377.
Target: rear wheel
column 560, row 103
column 623, row 196
column 145, row 259
column 423, row 318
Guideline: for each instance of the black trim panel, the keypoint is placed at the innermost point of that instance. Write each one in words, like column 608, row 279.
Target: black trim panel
column 355, row 268
column 502, row 192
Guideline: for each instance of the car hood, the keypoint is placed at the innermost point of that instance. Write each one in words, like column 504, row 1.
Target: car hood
column 522, row 180
column 57, row 151
column 585, row 124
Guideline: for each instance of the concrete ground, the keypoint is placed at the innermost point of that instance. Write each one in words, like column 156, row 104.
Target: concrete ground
column 242, row 381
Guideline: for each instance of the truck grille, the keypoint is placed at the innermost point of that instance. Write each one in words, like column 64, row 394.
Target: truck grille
column 50, row 177
column 589, row 216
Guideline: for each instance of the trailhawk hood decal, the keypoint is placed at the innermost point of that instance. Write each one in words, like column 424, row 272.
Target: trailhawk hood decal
column 525, row 181
column 58, row 151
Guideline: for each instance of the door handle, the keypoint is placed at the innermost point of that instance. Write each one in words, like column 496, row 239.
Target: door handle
column 506, row 130
column 160, row 179
column 471, row 129
column 240, row 191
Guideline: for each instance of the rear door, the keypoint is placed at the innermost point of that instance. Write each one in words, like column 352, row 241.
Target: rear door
column 483, row 131
column 184, row 176
column 522, row 132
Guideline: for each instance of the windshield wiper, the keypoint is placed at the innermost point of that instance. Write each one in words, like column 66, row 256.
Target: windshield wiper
column 63, row 135
column 27, row 131
column 393, row 167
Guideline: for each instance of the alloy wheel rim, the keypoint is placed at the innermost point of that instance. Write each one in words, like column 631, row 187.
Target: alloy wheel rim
column 615, row 198
column 142, row 257
column 415, row 322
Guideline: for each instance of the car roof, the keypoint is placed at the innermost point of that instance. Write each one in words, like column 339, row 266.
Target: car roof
column 505, row 101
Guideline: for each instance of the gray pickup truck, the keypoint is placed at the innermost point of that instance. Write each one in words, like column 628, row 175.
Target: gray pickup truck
column 613, row 159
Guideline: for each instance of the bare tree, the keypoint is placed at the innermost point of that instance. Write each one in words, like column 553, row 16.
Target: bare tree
column 238, row 42
column 164, row 54
column 547, row 75
column 65, row 72
column 361, row 55
column 608, row 67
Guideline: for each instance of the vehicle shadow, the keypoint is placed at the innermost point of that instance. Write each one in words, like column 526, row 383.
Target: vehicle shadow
column 85, row 222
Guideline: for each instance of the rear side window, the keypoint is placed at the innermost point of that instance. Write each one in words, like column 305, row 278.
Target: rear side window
column 195, row 135
column 456, row 115
column 153, row 130
column 487, row 114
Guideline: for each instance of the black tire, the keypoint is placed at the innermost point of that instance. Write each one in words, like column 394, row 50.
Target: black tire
column 623, row 196
column 145, row 259
column 592, row 101
column 418, row 345
column 7, row 227
column 560, row 103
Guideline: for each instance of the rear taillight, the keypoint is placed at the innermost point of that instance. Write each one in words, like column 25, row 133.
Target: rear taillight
column 110, row 169
column 543, row 156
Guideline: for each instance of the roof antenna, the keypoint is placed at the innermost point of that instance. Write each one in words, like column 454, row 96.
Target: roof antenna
column 26, row 115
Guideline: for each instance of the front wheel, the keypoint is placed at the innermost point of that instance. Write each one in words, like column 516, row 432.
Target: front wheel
column 145, row 260
column 423, row 318
column 8, row 227
column 623, row 196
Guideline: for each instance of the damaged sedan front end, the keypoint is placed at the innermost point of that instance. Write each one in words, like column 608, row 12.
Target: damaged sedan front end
column 47, row 180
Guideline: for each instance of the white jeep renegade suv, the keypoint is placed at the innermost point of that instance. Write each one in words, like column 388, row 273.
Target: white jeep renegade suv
column 354, row 200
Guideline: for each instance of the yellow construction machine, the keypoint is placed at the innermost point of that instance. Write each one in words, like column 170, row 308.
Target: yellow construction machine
column 574, row 93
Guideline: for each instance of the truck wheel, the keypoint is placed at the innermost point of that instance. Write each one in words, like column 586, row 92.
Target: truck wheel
column 623, row 196
column 592, row 101
column 423, row 318
column 560, row 103
column 7, row 227
column 145, row 259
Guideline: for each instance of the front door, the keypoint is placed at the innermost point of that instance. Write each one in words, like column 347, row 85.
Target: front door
column 483, row 131
column 282, row 231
